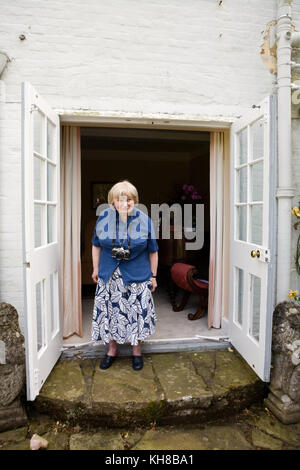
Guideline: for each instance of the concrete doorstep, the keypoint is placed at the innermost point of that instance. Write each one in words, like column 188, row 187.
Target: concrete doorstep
column 185, row 387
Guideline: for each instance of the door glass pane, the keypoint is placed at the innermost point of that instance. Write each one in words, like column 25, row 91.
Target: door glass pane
column 243, row 141
column 38, row 177
column 242, row 184
column 239, row 283
column 38, row 131
column 255, row 283
column 39, row 315
column 242, row 223
column 257, row 173
column 50, row 140
column 54, row 301
column 50, row 223
column 257, row 130
column 50, row 182
column 256, row 224
column 38, row 224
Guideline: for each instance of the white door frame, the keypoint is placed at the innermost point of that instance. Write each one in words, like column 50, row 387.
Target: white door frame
column 88, row 119
column 91, row 119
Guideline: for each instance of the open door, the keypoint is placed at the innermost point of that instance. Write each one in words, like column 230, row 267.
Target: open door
column 40, row 148
column 253, row 229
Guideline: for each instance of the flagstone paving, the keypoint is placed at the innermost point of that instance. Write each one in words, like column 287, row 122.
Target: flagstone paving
column 171, row 388
column 254, row 428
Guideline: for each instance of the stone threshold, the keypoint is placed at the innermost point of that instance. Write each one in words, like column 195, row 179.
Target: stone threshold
column 96, row 349
column 181, row 387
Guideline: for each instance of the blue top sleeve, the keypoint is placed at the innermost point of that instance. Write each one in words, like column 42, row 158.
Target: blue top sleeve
column 95, row 239
column 152, row 245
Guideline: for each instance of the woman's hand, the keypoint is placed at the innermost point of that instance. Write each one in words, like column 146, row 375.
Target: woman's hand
column 154, row 284
column 95, row 276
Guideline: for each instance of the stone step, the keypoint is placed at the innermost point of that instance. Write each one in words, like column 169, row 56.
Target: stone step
column 183, row 387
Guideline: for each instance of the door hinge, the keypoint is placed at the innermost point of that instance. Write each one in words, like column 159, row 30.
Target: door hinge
column 33, row 107
column 36, row 378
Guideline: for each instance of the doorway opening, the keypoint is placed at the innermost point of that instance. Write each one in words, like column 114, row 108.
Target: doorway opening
column 159, row 163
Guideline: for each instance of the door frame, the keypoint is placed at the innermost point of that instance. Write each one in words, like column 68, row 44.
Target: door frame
column 95, row 119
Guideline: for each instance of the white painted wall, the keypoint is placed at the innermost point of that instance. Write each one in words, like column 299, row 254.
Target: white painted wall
column 191, row 59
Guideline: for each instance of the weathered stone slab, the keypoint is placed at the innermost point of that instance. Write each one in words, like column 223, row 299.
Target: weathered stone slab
column 56, row 440
column 104, row 440
column 266, row 422
column 23, row 445
column 171, row 388
column 14, row 435
column 121, row 396
column 264, row 441
column 223, row 370
column 65, row 382
column 121, row 384
column 179, row 380
column 207, row 438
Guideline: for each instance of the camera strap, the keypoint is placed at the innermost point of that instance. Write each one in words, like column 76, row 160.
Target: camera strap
column 128, row 239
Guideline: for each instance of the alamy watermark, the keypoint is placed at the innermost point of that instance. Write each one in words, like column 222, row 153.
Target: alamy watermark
column 187, row 221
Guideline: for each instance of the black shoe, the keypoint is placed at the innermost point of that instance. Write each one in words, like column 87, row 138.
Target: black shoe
column 137, row 362
column 107, row 361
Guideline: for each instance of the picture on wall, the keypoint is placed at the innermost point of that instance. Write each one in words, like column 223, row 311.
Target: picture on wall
column 99, row 193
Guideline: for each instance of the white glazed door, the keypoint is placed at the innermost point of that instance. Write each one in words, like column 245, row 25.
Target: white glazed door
column 40, row 146
column 253, row 160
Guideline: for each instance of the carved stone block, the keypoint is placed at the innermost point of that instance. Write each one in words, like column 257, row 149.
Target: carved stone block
column 12, row 369
column 284, row 397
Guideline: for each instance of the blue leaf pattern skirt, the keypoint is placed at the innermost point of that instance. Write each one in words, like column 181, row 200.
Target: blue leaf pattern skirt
column 123, row 313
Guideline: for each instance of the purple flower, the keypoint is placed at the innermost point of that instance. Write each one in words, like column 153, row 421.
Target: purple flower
column 183, row 198
column 191, row 188
column 185, row 187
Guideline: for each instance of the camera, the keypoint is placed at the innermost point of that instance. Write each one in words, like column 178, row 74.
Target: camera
column 120, row 253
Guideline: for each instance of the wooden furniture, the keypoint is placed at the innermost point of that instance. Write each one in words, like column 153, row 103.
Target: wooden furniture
column 173, row 251
column 186, row 277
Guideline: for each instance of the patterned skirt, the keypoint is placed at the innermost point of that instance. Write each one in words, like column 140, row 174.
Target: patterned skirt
column 123, row 313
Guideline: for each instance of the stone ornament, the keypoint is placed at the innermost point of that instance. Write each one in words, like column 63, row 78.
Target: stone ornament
column 12, row 369
column 284, row 397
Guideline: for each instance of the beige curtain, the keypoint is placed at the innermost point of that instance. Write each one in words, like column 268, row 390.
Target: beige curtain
column 219, row 229
column 70, row 190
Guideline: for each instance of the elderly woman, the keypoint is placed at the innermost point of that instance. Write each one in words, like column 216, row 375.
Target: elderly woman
column 125, row 262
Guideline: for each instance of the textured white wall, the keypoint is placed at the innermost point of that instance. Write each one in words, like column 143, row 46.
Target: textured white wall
column 145, row 56
column 190, row 59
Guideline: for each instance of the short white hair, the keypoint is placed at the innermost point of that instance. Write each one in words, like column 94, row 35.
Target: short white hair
column 123, row 188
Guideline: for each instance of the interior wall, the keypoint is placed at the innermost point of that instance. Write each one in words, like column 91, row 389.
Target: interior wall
column 157, row 169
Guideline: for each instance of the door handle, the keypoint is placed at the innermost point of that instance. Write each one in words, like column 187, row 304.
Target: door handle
column 255, row 254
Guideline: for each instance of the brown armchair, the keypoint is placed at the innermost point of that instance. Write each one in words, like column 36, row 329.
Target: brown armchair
column 186, row 277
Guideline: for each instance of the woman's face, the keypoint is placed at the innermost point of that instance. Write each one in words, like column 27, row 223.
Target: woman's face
column 124, row 204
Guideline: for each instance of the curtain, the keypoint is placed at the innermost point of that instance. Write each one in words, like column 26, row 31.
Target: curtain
column 70, row 190
column 219, row 230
